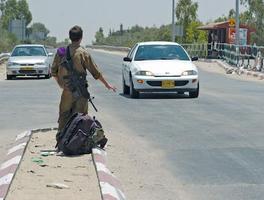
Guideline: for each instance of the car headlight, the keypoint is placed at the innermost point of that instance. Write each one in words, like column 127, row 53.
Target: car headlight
column 189, row 73
column 12, row 64
column 144, row 73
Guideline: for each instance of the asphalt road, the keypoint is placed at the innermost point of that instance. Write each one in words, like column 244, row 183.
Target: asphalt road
column 212, row 147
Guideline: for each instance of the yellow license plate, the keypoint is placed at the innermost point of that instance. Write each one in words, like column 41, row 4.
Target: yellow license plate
column 26, row 68
column 168, row 84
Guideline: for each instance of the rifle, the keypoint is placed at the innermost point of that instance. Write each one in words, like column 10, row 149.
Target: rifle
column 76, row 81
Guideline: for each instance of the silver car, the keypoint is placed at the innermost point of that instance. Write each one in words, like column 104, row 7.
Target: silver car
column 28, row 60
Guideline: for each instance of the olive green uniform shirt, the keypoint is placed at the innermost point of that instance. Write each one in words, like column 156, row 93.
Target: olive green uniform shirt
column 82, row 61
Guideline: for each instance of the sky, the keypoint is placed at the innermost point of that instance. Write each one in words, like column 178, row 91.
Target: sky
column 60, row 15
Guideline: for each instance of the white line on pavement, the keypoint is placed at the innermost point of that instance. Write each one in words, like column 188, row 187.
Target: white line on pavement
column 101, row 167
column 110, row 190
column 98, row 151
column 18, row 147
column 6, row 180
column 22, row 135
column 13, row 161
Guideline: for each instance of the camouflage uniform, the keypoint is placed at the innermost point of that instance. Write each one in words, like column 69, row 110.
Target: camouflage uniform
column 82, row 61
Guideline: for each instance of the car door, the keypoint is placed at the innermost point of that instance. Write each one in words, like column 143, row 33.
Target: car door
column 127, row 65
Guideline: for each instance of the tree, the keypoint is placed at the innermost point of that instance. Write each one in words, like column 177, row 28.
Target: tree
column 255, row 16
column 186, row 12
column 13, row 9
column 99, row 36
column 39, row 27
column 193, row 35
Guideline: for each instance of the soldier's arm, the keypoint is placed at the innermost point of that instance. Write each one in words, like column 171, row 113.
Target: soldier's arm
column 93, row 69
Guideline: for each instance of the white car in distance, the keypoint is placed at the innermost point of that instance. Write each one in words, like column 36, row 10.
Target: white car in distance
column 28, row 60
column 159, row 67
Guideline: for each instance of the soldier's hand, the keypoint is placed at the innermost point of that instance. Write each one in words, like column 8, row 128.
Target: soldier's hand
column 110, row 87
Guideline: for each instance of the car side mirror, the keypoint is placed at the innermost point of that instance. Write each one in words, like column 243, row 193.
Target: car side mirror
column 195, row 58
column 50, row 54
column 127, row 59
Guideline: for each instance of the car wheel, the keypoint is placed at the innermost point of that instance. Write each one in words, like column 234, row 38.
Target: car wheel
column 133, row 93
column 125, row 87
column 9, row 77
column 47, row 76
column 194, row 94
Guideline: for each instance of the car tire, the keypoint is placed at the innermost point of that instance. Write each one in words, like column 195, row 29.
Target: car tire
column 132, row 92
column 194, row 94
column 125, row 87
column 47, row 76
column 9, row 77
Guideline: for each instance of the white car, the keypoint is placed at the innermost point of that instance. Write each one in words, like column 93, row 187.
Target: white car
column 28, row 60
column 159, row 67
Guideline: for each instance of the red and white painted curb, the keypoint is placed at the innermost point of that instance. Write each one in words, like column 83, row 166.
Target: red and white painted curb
column 10, row 166
column 109, row 184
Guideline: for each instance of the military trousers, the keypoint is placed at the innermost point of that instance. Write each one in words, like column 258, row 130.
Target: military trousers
column 70, row 105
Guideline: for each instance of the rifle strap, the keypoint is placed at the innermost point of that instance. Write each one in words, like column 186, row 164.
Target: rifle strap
column 69, row 59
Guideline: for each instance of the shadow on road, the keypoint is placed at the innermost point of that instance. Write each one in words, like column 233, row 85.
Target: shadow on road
column 27, row 78
column 159, row 96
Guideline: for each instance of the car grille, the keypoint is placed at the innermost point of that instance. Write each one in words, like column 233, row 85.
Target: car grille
column 26, row 64
column 159, row 83
column 27, row 71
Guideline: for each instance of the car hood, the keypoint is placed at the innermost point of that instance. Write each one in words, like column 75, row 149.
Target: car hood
column 27, row 59
column 165, row 67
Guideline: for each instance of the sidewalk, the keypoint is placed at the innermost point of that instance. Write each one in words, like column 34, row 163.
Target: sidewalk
column 38, row 175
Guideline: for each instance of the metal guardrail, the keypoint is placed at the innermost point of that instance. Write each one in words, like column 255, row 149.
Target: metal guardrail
column 4, row 57
column 199, row 50
column 242, row 56
column 109, row 48
column 245, row 57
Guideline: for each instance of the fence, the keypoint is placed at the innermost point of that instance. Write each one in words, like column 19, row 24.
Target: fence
column 245, row 57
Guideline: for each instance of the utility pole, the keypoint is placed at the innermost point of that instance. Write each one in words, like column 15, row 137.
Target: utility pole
column 173, row 22
column 237, row 23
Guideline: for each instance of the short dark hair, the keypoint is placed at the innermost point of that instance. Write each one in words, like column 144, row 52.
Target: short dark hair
column 76, row 33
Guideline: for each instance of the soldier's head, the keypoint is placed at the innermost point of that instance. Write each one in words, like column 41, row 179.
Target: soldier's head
column 76, row 34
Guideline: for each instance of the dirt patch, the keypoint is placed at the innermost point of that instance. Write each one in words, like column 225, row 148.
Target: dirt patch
column 38, row 175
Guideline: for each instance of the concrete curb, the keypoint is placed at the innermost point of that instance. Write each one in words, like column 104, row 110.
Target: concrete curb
column 13, row 159
column 9, row 167
column 109, row 185
column 227, row 67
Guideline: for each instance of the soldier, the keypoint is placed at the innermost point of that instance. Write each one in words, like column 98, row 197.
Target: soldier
column 82, row 61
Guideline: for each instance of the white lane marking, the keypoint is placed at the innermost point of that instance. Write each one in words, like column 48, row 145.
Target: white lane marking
column 6, row 180
column 22, row 135
column 13, row 161
column 110, row 190
column 18, row 147
column 101, row 167
column 98, row 151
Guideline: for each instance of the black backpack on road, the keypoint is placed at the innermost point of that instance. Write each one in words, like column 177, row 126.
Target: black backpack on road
column 80, row 135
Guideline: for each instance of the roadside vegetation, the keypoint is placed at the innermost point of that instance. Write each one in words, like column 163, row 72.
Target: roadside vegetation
column 186, row 15
column 185, row 12
column 19, row 9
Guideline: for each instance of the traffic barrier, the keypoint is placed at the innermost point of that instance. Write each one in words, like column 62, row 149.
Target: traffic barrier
column 109, row 48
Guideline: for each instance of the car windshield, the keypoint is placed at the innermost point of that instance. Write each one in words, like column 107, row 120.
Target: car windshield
column 160, row 52
column 29, row 51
